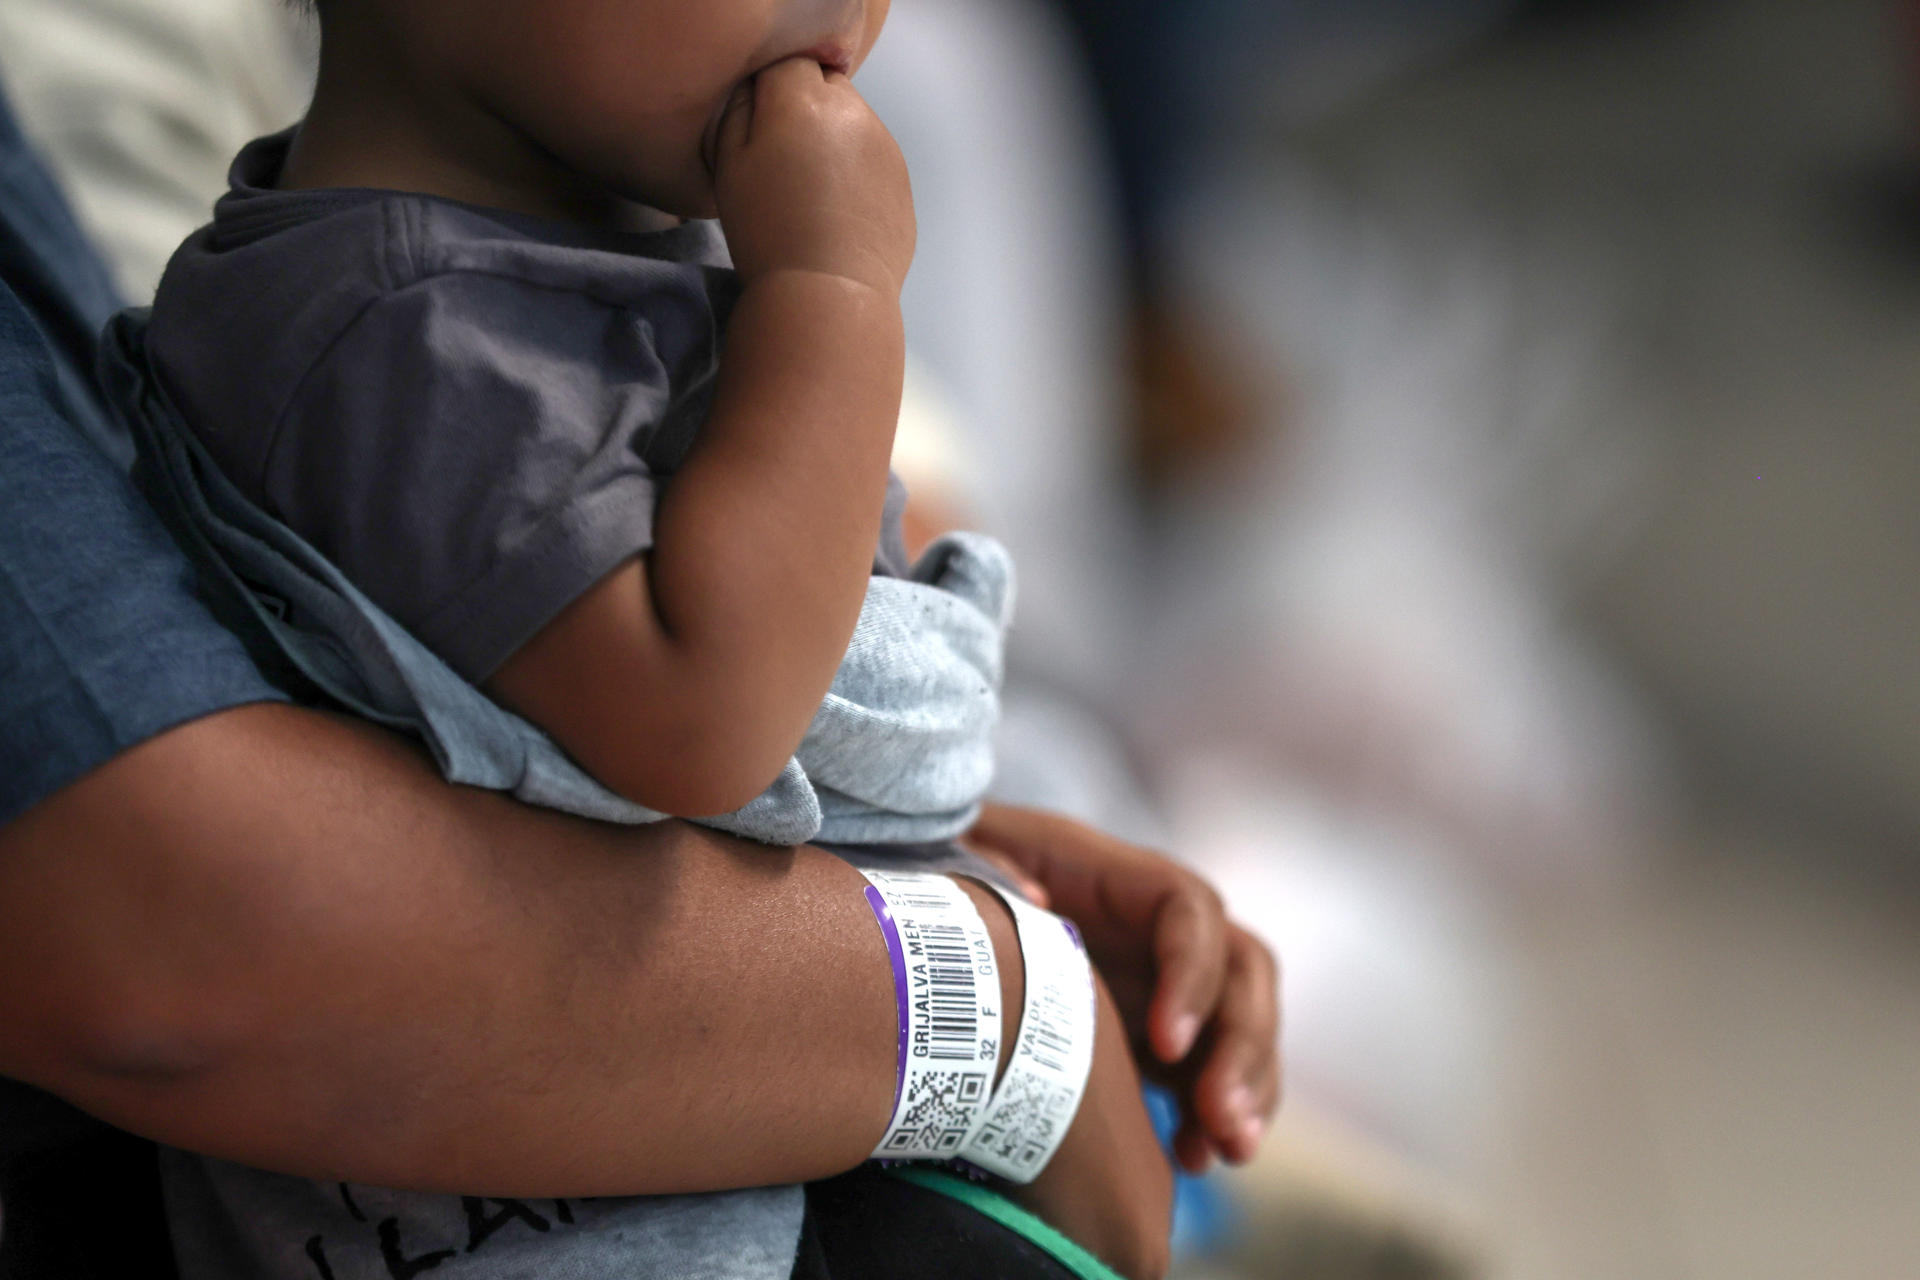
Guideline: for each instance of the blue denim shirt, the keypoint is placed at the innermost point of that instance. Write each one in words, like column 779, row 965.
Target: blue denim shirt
column 102, row 646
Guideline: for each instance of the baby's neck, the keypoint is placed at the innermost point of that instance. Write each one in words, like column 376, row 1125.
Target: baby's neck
column 369, row 125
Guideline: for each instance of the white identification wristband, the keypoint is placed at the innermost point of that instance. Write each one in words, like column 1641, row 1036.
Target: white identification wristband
column 1037, row 1098
column 947, row 990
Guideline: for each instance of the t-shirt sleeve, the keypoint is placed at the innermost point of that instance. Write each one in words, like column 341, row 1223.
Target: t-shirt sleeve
column 102, row 642
column 469, row 452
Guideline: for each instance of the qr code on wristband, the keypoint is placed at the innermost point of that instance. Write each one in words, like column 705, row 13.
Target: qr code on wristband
column 1021, row 1128
column 939, row 1109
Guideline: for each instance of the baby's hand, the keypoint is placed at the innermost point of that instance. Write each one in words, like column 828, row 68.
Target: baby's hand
column 807, row 178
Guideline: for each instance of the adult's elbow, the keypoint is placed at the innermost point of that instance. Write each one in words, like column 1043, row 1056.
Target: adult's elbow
column 140, row 940
column 111, row 1028
column 135, row 1041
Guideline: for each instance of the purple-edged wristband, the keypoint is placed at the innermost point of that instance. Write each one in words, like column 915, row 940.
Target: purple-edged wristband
column 897, row 954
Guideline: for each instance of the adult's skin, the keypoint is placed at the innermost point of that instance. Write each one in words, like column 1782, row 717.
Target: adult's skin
column 278, row 936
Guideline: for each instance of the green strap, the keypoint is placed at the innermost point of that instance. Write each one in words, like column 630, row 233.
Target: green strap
column 987, row 1201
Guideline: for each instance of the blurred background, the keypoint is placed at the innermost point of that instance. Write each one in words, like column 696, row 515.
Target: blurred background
column 1461, row 457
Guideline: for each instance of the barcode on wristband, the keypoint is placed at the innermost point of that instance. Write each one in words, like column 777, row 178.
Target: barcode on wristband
column 1050, row 1043
column 952, row 1003
column 949, row 1015
column 1038, row 1096
column 907, row 898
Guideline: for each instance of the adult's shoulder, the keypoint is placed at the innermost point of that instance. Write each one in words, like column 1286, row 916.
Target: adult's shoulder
column 102, row 641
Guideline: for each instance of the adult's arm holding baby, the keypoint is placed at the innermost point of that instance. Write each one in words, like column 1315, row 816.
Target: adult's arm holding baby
column 280, row 937
column 686, row 678
column 346, row 968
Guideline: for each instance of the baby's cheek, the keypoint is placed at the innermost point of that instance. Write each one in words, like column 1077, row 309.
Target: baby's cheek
column 669, row 179
column 641, row 140
column 621, row 90
column 665, row 172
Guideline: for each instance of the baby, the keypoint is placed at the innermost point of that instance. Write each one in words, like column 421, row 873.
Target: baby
column 461, row 332
column 467, row 399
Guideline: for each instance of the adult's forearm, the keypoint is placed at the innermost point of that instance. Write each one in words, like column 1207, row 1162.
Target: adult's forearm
column 280, row 938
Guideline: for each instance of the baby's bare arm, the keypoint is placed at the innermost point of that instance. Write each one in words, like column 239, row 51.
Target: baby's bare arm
column 686, row 678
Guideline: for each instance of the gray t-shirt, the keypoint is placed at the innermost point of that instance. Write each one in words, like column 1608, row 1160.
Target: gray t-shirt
column 468, row 411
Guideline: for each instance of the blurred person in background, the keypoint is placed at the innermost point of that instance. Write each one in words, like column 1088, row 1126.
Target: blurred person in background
column 1179, row 87
column 1338, row 517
